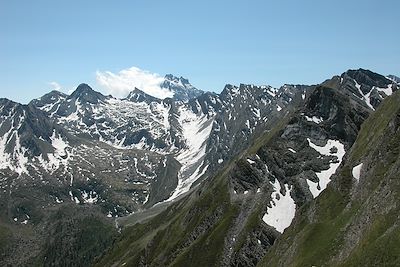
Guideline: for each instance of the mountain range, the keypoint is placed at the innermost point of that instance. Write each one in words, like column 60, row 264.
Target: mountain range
column 299, row 175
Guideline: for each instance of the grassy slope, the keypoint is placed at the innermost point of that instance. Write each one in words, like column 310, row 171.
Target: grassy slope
column 190, row 232
column 317, row 242
column 75, row 239
column 5, row 238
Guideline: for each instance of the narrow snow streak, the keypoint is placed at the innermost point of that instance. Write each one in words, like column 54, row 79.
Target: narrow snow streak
column 196, row 130
column 366, row 97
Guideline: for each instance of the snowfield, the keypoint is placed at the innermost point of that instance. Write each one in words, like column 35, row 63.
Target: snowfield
column 196, row 130
column 282, row 210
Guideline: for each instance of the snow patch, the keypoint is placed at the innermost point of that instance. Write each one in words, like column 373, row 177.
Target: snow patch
column 147, row 197
column 365, row 97
column 257, row 112
column 314, row 119
column 59, row 144
column 357, row 171
column 282, row 210
column 59, row 157
column 388, row 90
column 59, row 200
column 89, row 197
column 325, row 176
column 272, row 92
column 248, row 124
column 16, row 161
column 251, row 161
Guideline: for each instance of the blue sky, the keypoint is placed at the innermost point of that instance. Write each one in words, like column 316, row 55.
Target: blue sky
column 209, row 42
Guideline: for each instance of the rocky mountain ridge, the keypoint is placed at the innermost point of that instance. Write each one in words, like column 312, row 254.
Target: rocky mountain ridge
column 236, row 216
column 260, row 149
column 355, row 222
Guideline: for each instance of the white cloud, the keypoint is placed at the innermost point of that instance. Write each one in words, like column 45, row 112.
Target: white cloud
column 121, row 83
column 58, row 87
column 55, row 86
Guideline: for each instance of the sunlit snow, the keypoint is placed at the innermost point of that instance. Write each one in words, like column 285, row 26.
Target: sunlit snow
column 325, row 175
column 357, row 171
column 366, row 97
column 315, row 119
column 251, row 161
column 196, row 130
column 282, row 210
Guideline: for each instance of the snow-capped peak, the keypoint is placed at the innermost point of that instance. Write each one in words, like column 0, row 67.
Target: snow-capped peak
column 120, row 84
column 180, row 88
column 86, row 94
column 138, row 95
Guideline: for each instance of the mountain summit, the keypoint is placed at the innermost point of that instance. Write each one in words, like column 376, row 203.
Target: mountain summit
column 86, row 94
column 138, row 95
column 180, row 87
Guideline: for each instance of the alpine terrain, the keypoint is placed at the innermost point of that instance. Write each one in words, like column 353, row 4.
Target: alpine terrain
column 300, row 175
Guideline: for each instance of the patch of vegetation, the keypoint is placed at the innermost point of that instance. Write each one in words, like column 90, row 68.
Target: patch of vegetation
column 192, row 229
column 5, row 238
column 76, row 241
column 380, row 246
column 320, row 240
column 207, row 251
column 375, row 126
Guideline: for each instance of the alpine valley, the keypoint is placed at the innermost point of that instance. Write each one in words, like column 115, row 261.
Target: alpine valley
column 301, row 175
